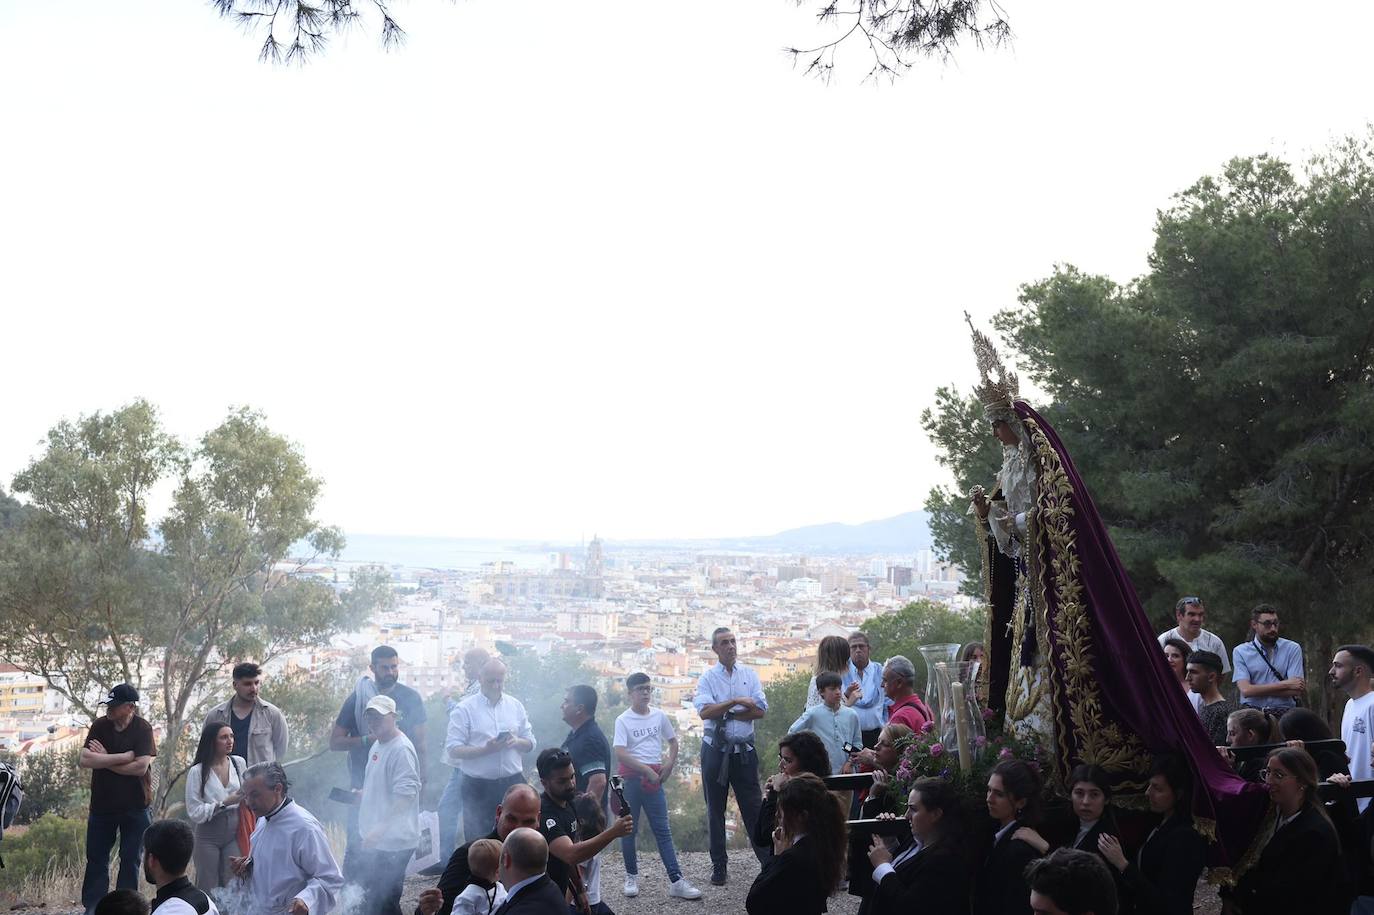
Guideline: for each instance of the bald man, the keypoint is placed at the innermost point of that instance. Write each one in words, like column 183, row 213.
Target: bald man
column 487, row 735
column 519, row 809
column 524, row 857
column 451, row 802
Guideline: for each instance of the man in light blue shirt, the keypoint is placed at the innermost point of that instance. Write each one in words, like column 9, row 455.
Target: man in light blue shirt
column 863, row 689
column 729, row 700
column 1268, row 670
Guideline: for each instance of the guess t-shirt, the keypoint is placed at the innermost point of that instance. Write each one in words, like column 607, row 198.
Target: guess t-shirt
column 644, row 735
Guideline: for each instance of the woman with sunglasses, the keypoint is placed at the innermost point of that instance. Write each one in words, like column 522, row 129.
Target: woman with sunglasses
column 1300, row 869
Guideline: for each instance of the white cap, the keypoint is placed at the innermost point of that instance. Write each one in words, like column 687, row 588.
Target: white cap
column 384, row 704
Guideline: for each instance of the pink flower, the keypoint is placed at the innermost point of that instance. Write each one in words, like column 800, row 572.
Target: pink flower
column 1005, row 754
column 989, row 714
column 927, row 727
column 980, row 741
column 936, row 749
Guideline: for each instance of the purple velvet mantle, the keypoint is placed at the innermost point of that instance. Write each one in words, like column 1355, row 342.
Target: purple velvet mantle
column 1114, row 699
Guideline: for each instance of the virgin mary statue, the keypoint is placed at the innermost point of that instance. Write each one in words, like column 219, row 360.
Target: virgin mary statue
column 1071, row 652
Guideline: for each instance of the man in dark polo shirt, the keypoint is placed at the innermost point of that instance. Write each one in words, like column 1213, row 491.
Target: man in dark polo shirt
column 558, row 823
column 167, row 847
column 119, row 751
column 519, row 807
column 586, row 743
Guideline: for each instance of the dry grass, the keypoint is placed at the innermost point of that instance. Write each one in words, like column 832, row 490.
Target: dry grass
column 56, row 887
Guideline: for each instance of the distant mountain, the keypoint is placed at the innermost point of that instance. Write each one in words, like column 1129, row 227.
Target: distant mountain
column 905, row 533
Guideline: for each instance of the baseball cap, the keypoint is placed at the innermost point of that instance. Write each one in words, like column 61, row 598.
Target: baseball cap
column 120, row 694
column 383, row 704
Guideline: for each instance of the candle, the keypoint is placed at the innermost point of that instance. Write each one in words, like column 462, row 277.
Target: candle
column 961, row 727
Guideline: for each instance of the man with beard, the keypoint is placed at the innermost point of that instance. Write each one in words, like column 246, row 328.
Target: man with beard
column 260, row 731
column 558, row 823
column 351, row 735
column 519, row 808
column 1268, row 670
column 1350, row 673
column 167, row 847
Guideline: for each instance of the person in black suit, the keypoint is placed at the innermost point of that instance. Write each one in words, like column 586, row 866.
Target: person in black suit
column 930, row 873
column 524, row 860
column 1090, row 795
column 1013, row 801
column 1163, row 877
column 808, row 852
column 797, row 753
column 519, row 807
column 1300, row 869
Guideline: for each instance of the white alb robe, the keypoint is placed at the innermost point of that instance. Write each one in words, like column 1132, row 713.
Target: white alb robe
column 291, row 859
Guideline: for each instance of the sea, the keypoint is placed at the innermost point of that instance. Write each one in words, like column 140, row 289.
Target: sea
column 452, row 553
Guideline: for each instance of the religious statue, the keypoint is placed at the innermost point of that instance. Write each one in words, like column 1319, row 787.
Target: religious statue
column 1071, row 654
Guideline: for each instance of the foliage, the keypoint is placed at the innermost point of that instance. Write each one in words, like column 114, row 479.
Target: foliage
column 92, row 599
column 926, row 756
column 539, row 682
column 786, row 701
column 52, row 784
column 51, row 842
column 1227, row 433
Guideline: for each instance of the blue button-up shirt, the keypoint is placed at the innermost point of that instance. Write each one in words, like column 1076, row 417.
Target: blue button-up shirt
column 1247, row 662
column 716, row 685
column 872, row 704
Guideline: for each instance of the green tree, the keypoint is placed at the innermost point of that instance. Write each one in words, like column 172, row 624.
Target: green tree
column 539, row 682
column 52, row 784
column 91, row 598
column 1226, row 427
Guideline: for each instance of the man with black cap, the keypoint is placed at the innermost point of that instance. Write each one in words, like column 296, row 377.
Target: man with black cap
column 119, row 751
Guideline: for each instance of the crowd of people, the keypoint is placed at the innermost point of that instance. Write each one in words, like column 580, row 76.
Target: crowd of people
column 510, row 847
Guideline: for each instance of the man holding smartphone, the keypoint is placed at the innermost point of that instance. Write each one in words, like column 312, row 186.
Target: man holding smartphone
column 487, row 735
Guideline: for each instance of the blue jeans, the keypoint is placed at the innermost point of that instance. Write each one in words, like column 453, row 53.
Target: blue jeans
column 450, row 815
column 655, row 806
column 481, row 797
column 100, row 840
column 743, row 776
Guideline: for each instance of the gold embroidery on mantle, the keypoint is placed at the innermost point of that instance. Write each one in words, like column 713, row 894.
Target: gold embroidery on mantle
column 1089, row 737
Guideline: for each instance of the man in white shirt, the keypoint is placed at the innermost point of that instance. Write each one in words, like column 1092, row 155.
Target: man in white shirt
column 389, row 809
column 451, row 802
column 640, row 735
column 290, row 869
column 167, row 848
column 1191, row 614
column 1350, row 672
column 487, row 734
column 729, row 700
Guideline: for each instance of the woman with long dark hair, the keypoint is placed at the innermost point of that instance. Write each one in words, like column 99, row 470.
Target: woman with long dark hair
column 1300, row 869
column 797, row 753
column 213, row 793
column 808, row 852
column 929, row 874
column 1013, row 800
column 1162, row 878
column 1090, row 797
column 1176, row 652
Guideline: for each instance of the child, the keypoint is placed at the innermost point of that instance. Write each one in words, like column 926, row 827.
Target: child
column 832, row 721
column 640, row 733
column 591, row 816
column 484, row 894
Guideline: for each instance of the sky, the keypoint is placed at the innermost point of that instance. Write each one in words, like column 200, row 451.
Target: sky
column 554, row 269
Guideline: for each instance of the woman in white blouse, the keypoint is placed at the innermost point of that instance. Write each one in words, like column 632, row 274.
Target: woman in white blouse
column 212, row 802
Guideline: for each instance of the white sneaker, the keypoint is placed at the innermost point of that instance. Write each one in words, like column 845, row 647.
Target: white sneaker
column 631, row 885
column 681, row 889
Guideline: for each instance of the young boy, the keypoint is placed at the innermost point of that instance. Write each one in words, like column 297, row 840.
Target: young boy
column 640, row 733
column 484, row 894
column 832, row 721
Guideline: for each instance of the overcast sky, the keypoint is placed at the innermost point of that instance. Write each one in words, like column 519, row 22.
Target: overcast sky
column 557, row 268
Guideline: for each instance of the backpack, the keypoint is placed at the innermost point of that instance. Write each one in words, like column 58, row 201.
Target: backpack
column 11, row 796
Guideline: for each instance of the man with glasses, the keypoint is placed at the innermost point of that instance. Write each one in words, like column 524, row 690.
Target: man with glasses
column 1191, row 614
column 1268, row 670
column 863, row 683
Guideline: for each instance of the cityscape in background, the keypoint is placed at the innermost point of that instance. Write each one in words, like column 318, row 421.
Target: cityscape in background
column 622, row 607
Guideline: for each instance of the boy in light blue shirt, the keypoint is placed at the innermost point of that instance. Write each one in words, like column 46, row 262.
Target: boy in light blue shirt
column 832, row 721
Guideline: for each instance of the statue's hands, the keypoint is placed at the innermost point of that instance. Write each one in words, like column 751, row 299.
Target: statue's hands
column 980, row 503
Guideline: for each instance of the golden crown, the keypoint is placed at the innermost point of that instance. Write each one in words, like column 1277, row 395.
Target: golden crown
column 997, row 385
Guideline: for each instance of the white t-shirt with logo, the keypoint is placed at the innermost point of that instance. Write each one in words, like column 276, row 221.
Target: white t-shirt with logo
column 644, row 735
column 1357, row 725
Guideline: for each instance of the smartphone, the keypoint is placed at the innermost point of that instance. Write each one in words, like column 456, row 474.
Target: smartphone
column 343, row 796
column 618, row 787
column 504, row 735
column 884, row 827
column 851, row 749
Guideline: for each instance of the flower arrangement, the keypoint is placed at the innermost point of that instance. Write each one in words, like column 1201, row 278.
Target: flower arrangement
column 926, row 756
